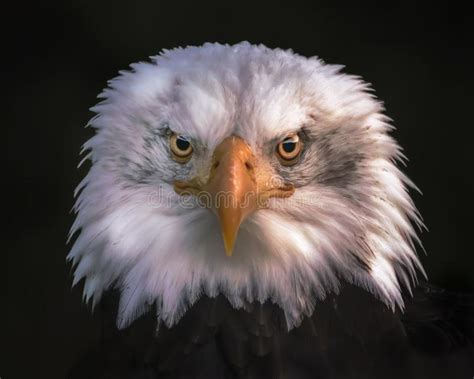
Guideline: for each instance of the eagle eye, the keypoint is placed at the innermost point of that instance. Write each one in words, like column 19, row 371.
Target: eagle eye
column 289, row 149
column 181, row 148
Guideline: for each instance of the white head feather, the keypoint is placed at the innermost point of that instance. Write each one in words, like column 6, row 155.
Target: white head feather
column 349, row 218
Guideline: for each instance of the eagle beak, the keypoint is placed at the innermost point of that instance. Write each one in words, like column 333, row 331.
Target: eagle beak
column 235, row 189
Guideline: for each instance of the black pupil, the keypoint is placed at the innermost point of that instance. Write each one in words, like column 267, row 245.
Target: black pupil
column 182, row 143
column 289, row 146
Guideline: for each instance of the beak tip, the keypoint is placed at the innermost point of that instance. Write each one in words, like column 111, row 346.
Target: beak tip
column 229, row 247
column 229, row 228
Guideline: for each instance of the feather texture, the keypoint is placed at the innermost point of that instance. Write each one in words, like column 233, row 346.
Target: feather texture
column 350, row 335
column 350, row 218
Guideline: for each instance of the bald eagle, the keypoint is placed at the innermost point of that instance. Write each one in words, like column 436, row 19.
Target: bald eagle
column 244, row 216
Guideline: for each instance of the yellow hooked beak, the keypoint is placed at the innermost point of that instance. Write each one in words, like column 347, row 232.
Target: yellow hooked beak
column 237, row 187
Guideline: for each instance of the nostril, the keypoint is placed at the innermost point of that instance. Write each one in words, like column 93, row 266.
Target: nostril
column 248, row 166
column 215, row 165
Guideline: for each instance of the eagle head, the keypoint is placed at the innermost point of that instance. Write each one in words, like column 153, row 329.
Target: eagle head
column 245, row 171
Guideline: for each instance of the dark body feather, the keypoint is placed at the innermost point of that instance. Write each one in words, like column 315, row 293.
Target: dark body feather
column 349, row 335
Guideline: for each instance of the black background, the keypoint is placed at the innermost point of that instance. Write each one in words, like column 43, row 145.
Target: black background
column 60, row 55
